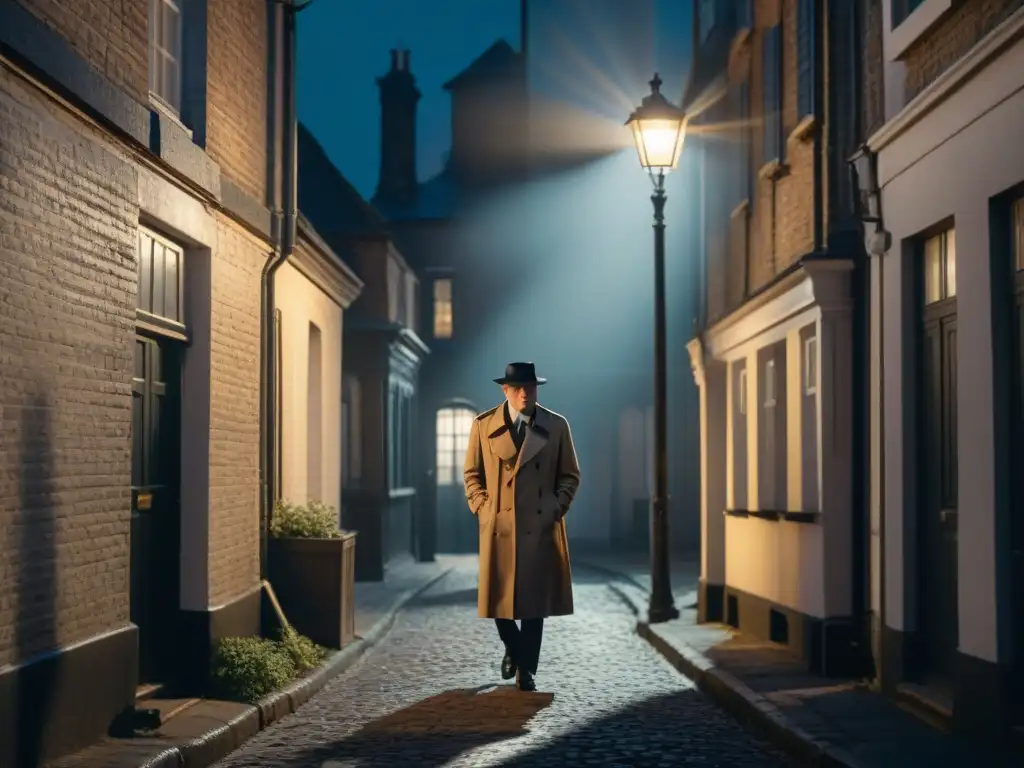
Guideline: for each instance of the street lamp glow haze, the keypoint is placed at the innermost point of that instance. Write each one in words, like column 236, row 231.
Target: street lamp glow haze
column 659, row 129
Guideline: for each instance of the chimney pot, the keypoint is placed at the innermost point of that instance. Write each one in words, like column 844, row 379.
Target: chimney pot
column 405, row 59
column 394, row 59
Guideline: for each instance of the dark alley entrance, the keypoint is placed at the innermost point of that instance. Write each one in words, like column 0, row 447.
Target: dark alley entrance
column 456, row 528
column 155, row 526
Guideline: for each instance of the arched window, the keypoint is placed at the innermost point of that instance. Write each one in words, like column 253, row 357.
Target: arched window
column 454, row 422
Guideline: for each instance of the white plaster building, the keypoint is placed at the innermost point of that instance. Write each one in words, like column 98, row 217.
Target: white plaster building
column 313, row 290
column 946, row 502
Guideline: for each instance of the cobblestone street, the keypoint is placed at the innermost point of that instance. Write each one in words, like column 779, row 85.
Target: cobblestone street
column 431, row 695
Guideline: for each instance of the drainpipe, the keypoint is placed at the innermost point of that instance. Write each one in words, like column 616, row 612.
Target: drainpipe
column 283, row 252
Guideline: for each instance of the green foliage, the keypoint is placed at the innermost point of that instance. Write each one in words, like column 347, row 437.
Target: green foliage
column 304, row 653
column 248, row 668
column 313, row 520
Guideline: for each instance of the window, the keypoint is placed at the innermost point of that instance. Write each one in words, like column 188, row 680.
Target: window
column 707, row 18
column 805, row 57
column 901, row 9
column 772, row 108
column 400, row 398
column 165, row 52
column 769, row 384
column 741, row 394
column 1018, row 234
column 811, row 365
column 453, row 427
column 314, row 417
column 160, row 278
column 940, row 267
column 739, row 95
column 443, row 320
column 351, row 432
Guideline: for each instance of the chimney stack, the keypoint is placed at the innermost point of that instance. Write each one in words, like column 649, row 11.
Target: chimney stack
column 397, row 183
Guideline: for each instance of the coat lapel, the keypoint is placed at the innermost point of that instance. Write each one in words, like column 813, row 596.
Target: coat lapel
column 538, row 433
column 499, row 435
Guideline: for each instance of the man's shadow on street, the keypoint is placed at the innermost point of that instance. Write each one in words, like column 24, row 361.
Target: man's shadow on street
column 438, row 729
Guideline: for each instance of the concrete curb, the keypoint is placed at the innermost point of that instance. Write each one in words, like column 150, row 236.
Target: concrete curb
column 225, row 737
column 732, row 694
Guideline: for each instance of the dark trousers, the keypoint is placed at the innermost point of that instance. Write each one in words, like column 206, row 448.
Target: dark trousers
column 522, row 643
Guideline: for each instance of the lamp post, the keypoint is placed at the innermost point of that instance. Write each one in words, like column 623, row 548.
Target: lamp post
column 659, row 128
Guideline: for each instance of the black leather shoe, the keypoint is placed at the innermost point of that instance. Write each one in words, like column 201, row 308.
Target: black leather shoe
column 525, row 681
column 508, row 667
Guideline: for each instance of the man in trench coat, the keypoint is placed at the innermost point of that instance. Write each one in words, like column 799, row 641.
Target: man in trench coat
column 521, row 476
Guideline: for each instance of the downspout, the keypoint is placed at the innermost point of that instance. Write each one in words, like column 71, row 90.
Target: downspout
column 285, row 249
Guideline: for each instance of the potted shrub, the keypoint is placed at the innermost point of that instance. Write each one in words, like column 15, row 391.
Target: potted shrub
column 312, row 571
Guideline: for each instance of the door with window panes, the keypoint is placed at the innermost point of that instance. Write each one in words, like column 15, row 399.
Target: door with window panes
column 937, row 499
column 457, row 529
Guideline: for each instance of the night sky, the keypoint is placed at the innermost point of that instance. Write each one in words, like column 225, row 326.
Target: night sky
column 343, row 47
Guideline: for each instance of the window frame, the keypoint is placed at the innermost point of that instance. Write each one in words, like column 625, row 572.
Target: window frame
column 810, row 366
column 806, row 39
column 741, row 393
column 945, row 267
column 770, row 392
column 162, row 51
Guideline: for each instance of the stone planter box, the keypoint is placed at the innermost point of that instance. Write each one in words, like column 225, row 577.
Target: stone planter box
column 314, row 580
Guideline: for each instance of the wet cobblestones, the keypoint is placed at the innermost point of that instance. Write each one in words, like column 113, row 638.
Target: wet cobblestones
column 430, row 694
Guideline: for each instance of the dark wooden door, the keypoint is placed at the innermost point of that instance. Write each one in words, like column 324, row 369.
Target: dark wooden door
column 1017, row 459
column 937, row 574
column 155, row 530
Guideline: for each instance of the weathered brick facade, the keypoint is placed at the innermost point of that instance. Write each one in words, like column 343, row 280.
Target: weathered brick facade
column 112, row 36
column 237, row 92
column 872, row 67
column 951, row 38
column 234, row 418
column 74, row 195
column 68, row 218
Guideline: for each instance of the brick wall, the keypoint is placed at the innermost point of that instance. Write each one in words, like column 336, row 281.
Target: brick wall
column 68, row 215
column 872, row 67
column 952, row 38
column 112, row 36
column 237, row 52
column 234, row 412
column 782, row 227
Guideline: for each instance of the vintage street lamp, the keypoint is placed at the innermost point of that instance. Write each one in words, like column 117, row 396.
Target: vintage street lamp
column 659, row 129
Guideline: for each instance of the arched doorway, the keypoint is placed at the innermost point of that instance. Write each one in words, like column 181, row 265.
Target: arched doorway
column 456, row 528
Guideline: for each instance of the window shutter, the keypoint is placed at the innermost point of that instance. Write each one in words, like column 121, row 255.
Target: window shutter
column 805, row 57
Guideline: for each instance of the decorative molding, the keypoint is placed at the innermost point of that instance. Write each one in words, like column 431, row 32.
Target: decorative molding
column 246, row 207
column 953, row 78
column 818, row 284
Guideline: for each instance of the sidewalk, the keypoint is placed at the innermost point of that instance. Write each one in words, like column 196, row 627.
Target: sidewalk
column 636, row 568
column 199, row 732
column 818, row 721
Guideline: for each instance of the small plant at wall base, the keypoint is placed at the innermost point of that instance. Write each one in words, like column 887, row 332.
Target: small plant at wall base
column 313, row 520
column 248, row 668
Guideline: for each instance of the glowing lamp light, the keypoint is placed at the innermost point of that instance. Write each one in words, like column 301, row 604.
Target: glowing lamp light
column 659, row 128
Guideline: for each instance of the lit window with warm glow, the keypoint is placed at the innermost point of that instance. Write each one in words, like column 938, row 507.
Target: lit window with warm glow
column 940, row 267
column 443, row 320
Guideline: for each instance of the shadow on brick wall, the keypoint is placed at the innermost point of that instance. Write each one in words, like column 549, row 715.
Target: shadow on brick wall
column 37, row 578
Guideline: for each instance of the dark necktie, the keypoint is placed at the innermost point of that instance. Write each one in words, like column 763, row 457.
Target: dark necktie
column 520, row 432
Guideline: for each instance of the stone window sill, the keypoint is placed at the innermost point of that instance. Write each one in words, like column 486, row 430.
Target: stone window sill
column 773, row 170
column 804, row 129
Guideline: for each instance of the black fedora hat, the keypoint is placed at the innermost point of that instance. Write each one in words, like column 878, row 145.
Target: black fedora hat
column 519, row 374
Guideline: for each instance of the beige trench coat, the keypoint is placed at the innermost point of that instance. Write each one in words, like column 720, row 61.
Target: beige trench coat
column 520, row 502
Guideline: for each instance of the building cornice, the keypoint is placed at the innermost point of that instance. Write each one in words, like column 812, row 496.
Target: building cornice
column 324, row 268
column 949, row 81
